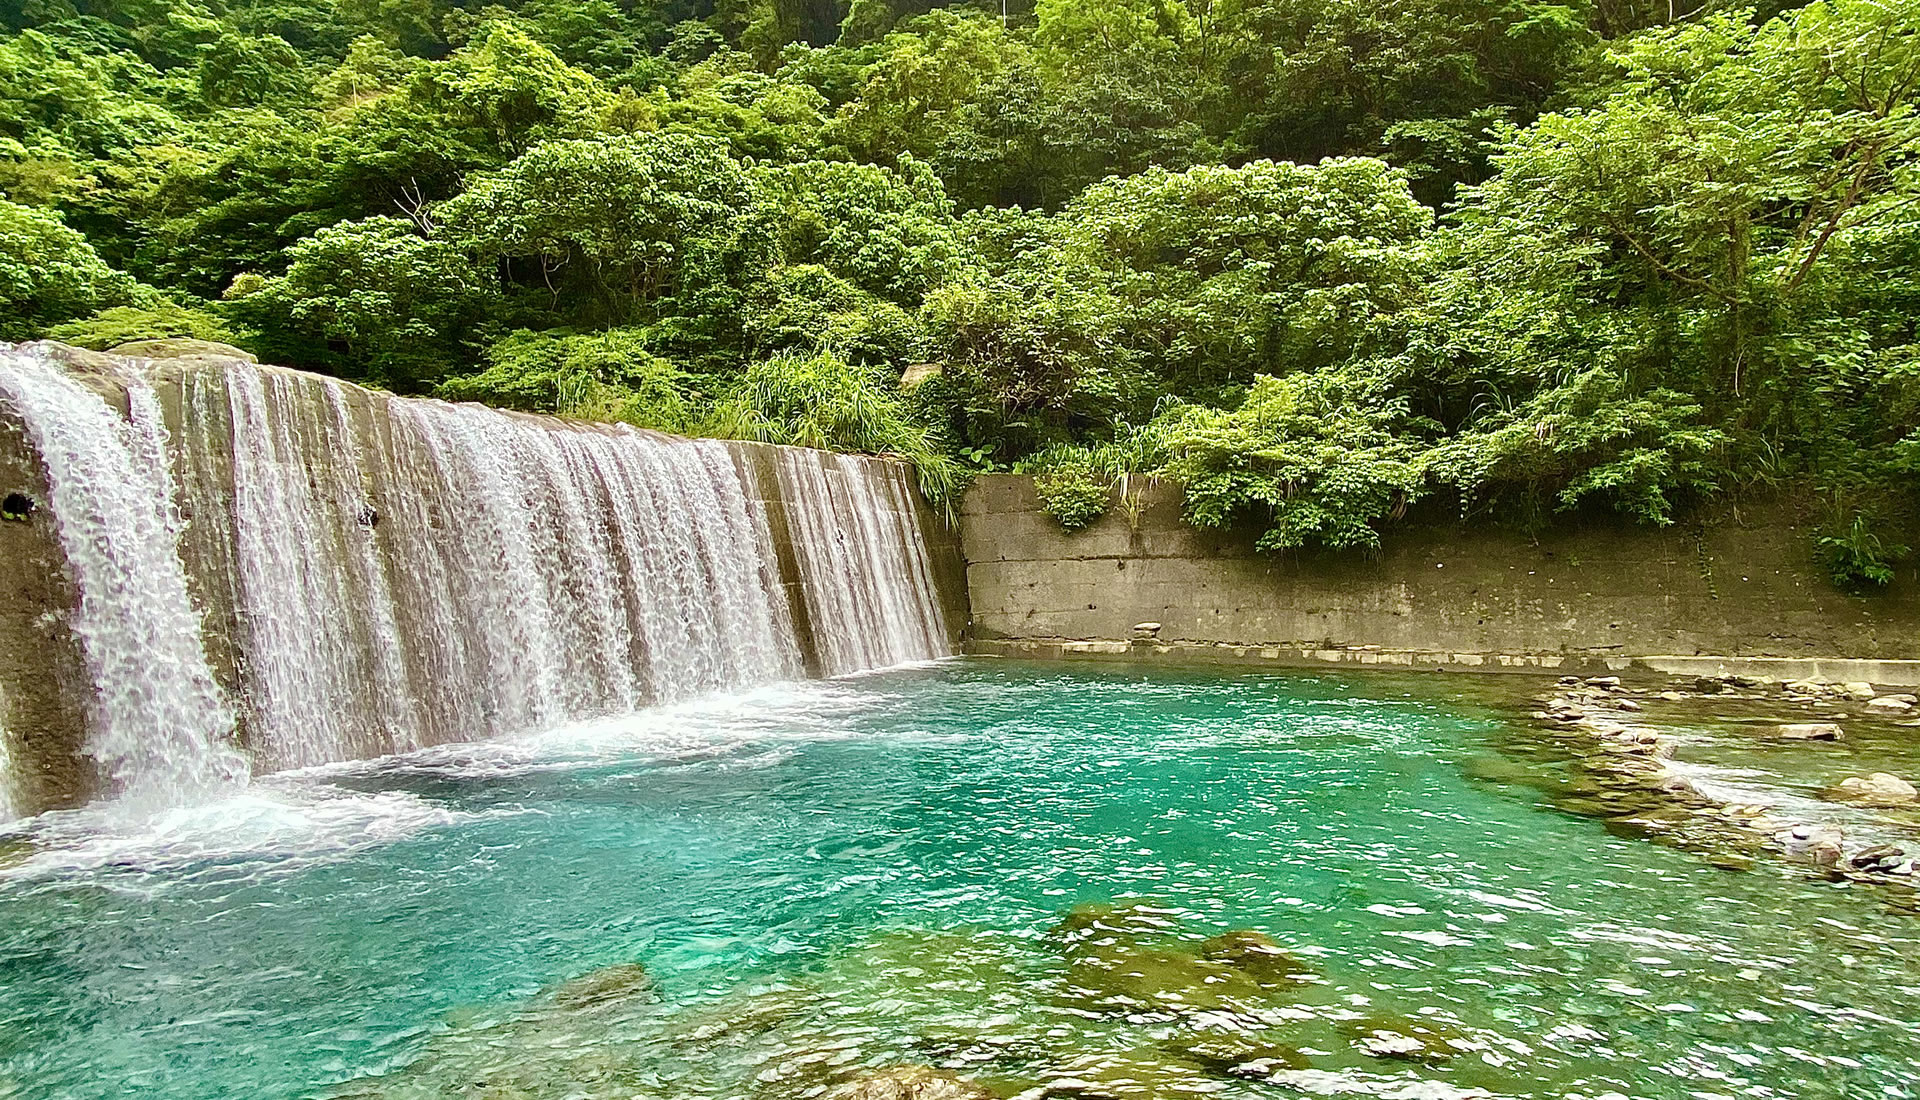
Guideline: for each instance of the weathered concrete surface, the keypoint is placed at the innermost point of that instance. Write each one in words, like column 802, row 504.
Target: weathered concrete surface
column 942, row 538
column 1763, row 669
column 43, row 682
column 1585, row 598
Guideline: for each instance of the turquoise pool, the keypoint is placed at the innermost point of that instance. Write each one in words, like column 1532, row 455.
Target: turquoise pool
column 1017, row 873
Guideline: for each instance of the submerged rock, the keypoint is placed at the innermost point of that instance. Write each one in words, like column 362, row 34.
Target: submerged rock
column 1809, row 731
column 1877, row 858
column 1238, row 1053
column 1113, row 968
column 1878, row 789
column 909, row 1083
column 1424, row 1039
column 1257, row 955
column 577, row 1038
column 1891, row 704
column 1112, row 1076
column 15, row 850
column 1815, row 844
column 625, row 981
column 1126, row 917
column 1127, row 978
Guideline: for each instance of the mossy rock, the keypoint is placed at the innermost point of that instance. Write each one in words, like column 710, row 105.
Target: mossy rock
column 16, row 850
column 908, row 1083
column 1425, row 1039
column 741, row 1017
column 955, row 963
column 621, row 982
column 1145, row 1075
column 1237, row 1053
column 1111, row 969
column 573, row 1039
column 1095, row 920
column 1257, row 955
column 1128, row 977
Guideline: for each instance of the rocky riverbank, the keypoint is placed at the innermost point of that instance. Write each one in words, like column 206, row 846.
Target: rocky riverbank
column 1806, row 771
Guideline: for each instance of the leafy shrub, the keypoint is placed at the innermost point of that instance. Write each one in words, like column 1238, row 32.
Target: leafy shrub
column 1856, row 557
column 118, row 325
column 593, row 376
column 889, row 232
column 1590, row 438
column 1077, row 484
column 49, row 273
column 1072, row 496
column 1071, row 492
column 1322, row 459
column 821, row 400
column 615, row 228
column 806, row 308
column 368, row 299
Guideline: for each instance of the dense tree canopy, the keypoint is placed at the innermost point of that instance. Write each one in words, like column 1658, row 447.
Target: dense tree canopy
column 1328, row 264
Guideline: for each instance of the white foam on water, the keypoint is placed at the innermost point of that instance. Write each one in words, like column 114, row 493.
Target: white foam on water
column 295, row 819
column 1318, row 1082
column 273, row 827
column 710, row 728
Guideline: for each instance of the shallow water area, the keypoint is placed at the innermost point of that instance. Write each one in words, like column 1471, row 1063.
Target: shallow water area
column 1024, row 876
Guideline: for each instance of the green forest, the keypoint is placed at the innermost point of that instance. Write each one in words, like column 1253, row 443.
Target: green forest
column 1331, row 265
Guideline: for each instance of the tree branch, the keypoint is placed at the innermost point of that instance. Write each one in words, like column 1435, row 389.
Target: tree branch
column 1676, row 276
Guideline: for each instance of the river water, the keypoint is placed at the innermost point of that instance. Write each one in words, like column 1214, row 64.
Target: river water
column 1019, row 874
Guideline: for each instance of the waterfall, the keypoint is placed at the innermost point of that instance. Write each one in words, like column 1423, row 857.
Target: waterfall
column 158, row 728
column 863, row 563
column 320, row 666
column 595, row 570
column 377, row 574
column 471, row 573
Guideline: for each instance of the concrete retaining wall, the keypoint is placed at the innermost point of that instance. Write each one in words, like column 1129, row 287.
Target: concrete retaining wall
column 1599, row 596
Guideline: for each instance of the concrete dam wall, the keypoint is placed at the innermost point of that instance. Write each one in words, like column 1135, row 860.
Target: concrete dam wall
column 1604, row 597
column 216, row 569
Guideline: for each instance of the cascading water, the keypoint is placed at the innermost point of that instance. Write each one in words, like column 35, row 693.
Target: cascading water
column 318, row 656
column 863, row 563
column 7, row 810
column 158, row 728
column 595, row 570
column 473, row 574
column 379, row 574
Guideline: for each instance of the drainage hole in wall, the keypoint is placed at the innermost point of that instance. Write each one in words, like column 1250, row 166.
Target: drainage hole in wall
column 17, row 506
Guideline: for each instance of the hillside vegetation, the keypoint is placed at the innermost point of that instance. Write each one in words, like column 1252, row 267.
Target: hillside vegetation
column 1323, row 261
